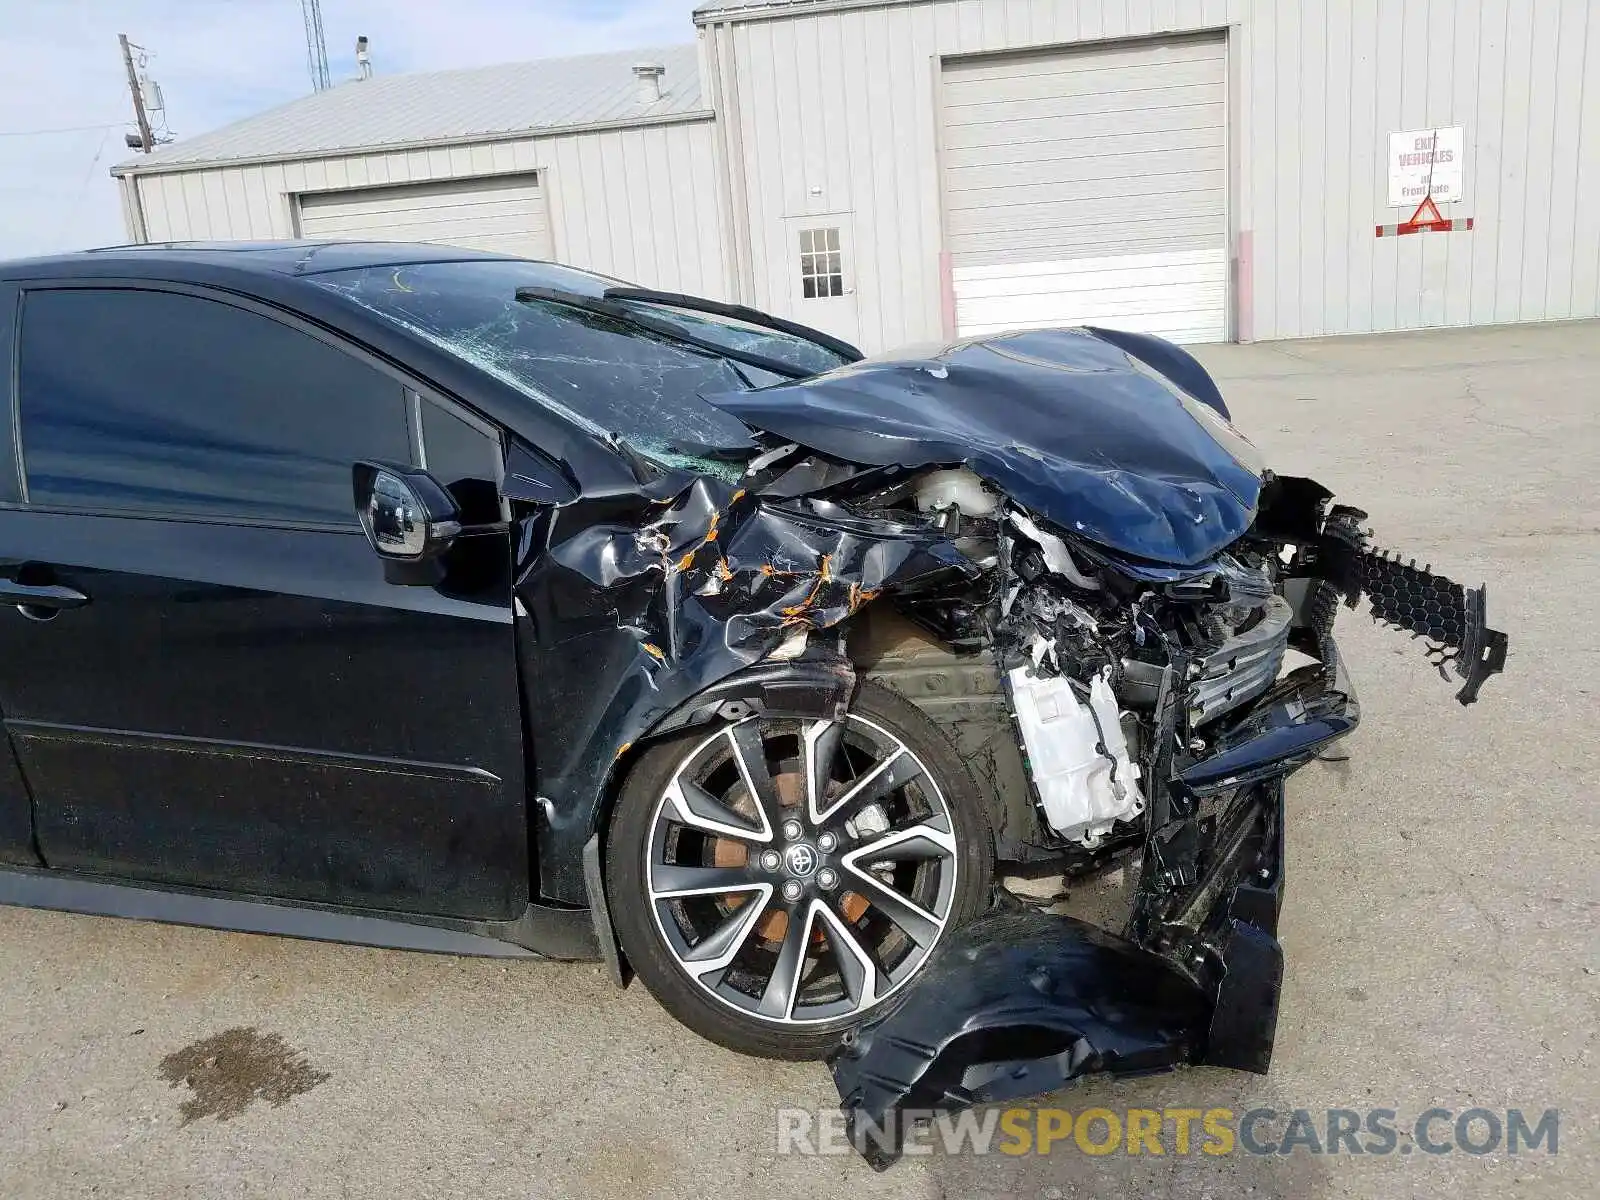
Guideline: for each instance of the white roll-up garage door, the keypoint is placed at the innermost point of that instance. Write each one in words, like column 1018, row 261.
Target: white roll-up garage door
column 1089, row 187
column 505, row 213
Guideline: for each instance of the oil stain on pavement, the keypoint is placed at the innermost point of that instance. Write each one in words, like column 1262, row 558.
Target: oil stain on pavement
column 228, row 1071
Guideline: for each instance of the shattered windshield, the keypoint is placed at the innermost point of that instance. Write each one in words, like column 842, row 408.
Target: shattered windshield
column 603, row 373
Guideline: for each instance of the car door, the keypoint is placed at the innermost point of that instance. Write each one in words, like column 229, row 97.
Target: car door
column 207, row 678
column 16, row 807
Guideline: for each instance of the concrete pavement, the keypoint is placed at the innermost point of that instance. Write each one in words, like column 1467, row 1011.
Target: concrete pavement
column 1440, row 926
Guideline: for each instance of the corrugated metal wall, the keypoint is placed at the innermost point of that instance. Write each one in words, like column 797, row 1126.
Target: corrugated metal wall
column 836, row 112
column 643, row 204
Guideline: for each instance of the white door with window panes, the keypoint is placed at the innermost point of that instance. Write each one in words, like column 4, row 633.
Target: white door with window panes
column 822, row 273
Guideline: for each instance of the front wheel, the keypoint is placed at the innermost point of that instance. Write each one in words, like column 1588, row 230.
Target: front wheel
column 774, row 880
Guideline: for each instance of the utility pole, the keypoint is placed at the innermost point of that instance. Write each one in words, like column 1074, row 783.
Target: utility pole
column 147, row 139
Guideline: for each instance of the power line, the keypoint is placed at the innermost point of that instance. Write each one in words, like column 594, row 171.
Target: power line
column 83, row 188
column 60, row 129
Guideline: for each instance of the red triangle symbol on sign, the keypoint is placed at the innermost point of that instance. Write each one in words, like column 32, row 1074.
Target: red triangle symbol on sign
column 1427, row 206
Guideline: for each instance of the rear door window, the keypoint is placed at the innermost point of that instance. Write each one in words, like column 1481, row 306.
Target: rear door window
column 167, row 404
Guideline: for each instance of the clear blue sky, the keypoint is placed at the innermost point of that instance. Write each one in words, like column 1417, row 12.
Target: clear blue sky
column 220, row 60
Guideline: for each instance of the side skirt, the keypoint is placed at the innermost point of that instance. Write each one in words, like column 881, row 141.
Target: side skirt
column 540, row 932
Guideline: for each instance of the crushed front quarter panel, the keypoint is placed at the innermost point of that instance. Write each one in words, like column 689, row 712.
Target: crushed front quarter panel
column 632, row 605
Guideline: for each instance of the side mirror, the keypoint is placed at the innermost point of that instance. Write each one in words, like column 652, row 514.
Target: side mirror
column 407, row 514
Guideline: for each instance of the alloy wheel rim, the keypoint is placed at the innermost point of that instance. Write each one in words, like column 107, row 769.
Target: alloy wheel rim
column 801, row 872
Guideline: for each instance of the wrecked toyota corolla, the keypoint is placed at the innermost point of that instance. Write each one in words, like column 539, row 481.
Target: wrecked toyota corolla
column 810, row 649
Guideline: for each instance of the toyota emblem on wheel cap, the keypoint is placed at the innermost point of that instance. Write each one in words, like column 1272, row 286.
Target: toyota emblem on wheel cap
column 801, row 860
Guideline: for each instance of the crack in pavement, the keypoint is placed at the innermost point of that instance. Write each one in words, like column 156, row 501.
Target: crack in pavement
column 1475, row 412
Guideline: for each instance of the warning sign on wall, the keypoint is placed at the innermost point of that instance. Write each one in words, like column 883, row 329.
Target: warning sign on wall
column 1426, row 163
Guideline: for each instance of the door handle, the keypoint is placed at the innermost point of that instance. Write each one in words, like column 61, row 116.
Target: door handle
column 51, row 596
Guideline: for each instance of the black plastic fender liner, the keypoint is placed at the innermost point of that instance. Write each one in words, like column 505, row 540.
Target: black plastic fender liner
column 1021, row 1003
column 1014, row 1004
column 819, row 685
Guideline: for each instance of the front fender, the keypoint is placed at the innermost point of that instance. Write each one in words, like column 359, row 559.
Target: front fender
column 818, row 687
column 644, row 615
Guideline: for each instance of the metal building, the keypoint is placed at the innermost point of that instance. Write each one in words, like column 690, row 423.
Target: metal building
column 605, row 161
column 900, row 170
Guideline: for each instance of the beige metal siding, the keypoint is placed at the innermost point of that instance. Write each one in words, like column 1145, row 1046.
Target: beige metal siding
column 1089, row 186
column 837, row 113
column 505, row 214
column 845, row 103
column 641, row 204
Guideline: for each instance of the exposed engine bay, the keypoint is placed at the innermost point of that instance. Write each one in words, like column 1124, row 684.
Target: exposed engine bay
column 1157, row 715
column 1123, row 619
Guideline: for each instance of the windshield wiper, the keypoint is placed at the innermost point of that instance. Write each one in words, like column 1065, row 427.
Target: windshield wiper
column 738, row 312
column 661, row 328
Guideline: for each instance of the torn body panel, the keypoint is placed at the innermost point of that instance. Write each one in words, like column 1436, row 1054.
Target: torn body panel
column 637, row 609
column 1021, row 1003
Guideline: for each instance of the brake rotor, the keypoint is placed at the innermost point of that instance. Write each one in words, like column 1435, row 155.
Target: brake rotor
column 728, row 852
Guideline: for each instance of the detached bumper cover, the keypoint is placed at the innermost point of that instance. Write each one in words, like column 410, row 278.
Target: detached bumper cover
column 1021, row 1003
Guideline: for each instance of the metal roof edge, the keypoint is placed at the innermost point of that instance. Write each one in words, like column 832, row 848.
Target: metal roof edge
column 735, row 12
column 697, row 116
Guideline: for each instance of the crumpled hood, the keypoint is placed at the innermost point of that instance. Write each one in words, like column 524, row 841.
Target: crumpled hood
column 1068, row 423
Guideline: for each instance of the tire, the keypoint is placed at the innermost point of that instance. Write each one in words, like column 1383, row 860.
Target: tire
column 688, row 822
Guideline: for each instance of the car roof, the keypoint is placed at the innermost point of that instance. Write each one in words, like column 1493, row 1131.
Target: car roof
column 284, row 259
